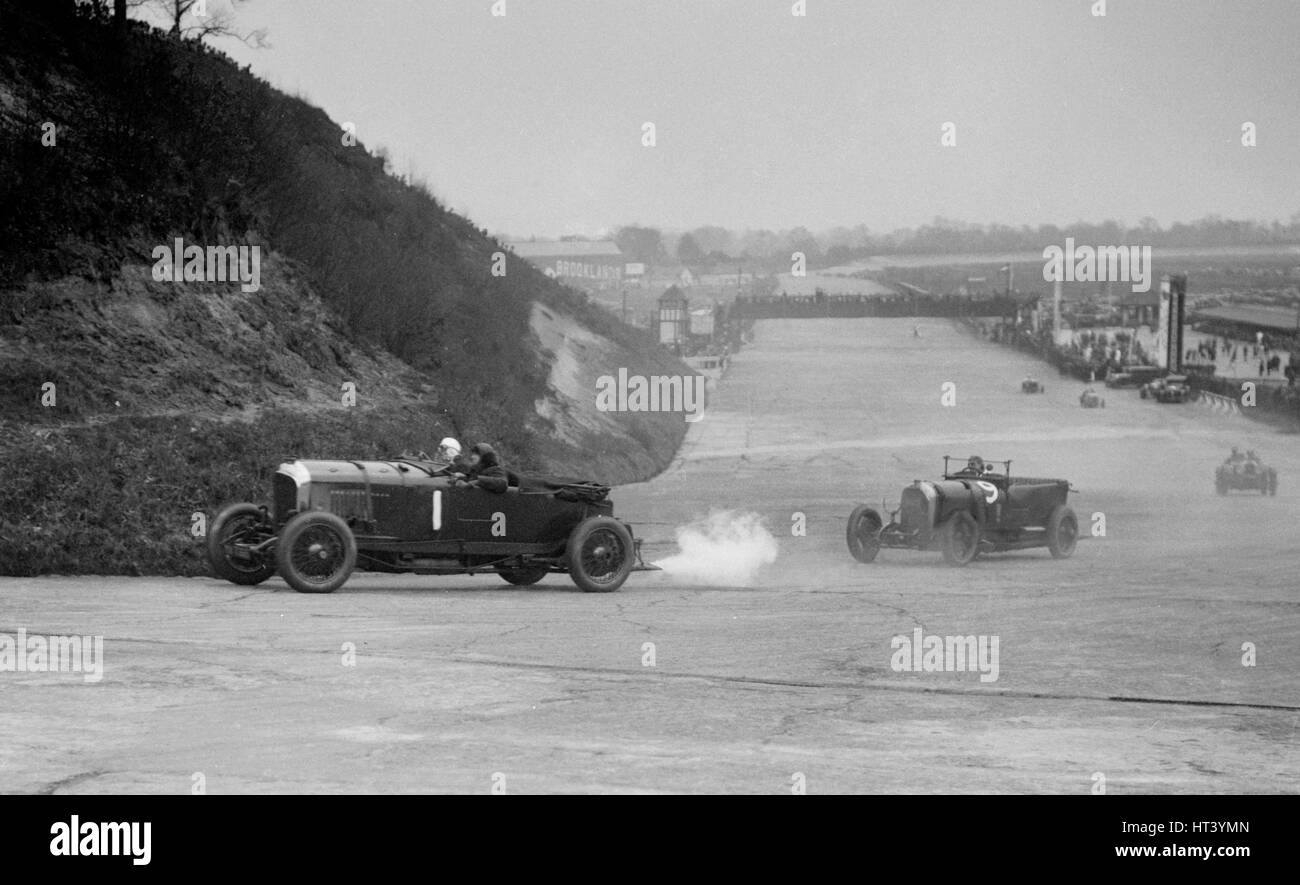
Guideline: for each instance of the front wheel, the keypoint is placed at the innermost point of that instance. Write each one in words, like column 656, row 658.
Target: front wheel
column 599, row 554
column 959, row 539
column 239, row 524
column 316, row 552
column 863, row 533
column 1062, row 532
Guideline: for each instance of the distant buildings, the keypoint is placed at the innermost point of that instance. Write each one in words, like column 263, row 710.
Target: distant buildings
column 587, row 263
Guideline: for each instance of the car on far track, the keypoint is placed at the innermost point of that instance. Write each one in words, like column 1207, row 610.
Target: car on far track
column 1169, row 389
column 1032, row 385
column 1133, row 376
column 1245, row 473
column 1090, row 400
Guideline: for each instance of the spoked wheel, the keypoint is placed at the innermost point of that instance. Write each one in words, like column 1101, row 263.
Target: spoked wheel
column 524, row 576
column 600, row 554
column 1062, row 531
column 239, row 524
column 316, row 552
column 959, row 539
column 863, row 533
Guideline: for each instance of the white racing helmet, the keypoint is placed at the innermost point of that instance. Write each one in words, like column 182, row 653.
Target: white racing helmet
column 449, row 448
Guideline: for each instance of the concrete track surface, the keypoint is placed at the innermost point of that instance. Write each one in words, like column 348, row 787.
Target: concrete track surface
column 1124, row 661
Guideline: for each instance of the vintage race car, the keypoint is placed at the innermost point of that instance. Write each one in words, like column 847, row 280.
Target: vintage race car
column 1031, row 385
column 1245, row 474
column 1090, row 400
column 1133, row 376
column 972, row 511
column 1169, row 389
column 327, row 518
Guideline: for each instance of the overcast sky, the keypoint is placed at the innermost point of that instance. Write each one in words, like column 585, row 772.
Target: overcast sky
column 531, row 123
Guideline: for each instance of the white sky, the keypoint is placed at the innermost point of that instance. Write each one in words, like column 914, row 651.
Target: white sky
column 531, row 123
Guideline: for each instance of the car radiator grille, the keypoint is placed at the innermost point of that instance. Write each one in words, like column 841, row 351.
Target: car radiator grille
column 284, row 495
column 914, row 512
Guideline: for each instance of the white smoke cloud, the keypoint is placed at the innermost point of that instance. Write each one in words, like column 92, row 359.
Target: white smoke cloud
column 724, row 549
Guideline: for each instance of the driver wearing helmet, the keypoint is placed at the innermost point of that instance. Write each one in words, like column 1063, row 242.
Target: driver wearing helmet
column 448, row 453
column 975, row 466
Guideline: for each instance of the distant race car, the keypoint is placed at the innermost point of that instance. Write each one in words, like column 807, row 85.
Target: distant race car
column 1169, row 389
column 1090, row 400
column 328, row 517
column 1032, row 385
column 972, row 511
column 1133, row 376
column 1245, row 473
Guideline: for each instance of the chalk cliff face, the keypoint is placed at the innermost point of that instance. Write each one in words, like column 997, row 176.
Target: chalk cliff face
column 578, row 434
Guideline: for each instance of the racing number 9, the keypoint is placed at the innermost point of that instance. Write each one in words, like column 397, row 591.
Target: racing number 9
column 989, row 489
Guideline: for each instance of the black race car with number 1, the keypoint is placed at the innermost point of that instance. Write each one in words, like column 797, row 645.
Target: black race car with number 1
column 329, row 517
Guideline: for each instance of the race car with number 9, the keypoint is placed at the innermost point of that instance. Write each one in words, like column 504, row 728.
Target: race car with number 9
column 977, row 509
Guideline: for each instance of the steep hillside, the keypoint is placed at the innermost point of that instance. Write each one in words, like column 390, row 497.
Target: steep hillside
column 119, row 391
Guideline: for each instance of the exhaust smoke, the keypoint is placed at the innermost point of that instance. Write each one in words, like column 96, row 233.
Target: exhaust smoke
column 724, row 549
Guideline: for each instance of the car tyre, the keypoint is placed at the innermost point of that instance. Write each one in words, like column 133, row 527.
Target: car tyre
column 316, row 552
column 524, row 576
column 959, row 539
column 1062, row 532
column 863, row 533
column 599, row 554
column 232, row 521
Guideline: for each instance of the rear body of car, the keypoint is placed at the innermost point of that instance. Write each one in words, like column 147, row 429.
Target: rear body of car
column 966, row 514
column 1090, row 400
column 1245, row 475
column 403, row 516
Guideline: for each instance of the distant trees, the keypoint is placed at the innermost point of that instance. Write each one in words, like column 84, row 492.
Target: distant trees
column 689, row 251
column 642, row 244
column 771, row 250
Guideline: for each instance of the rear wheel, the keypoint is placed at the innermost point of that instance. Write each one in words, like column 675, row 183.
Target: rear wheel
column 863, row 533
column 959, row 539
column 316, row 552
column 599, row 554
column 1062, row 531
column 238, row 523
column 524, row 576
